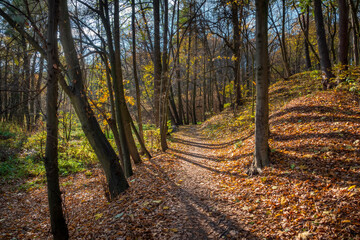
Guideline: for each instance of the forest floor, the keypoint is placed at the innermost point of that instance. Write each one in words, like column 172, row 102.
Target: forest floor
column 199, row 188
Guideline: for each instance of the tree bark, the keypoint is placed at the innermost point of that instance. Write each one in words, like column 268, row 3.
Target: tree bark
column 136, row 78
column 114, row 174
column 157, row 61
column 236, row 50
column 38, row 86
column 194, row 83
column 178, row 77
column 343, row 32
column 58, row 224
column 322, row 46
column 164, row 82
column 306, row 34
column 26, row 94
column 261, row 155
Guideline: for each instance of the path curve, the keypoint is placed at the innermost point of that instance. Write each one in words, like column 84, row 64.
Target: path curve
column 207, row 215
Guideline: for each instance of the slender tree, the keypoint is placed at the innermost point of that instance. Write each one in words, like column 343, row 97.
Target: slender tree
column 322, row 46
column 58, row 224
column 261, row 155
column 343, row 34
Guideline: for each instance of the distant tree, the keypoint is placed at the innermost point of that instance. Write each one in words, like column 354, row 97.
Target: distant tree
column 343, row 34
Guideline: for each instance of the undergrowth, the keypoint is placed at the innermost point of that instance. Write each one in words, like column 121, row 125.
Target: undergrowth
column 280, row 93
column 22, row 154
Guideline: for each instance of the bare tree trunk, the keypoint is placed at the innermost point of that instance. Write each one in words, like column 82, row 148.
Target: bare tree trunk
column 306, row 44
column 122, row 117
column 114, row 174
column 136, row 78
column 187, row 120
column 58, row 224
column 236, row 51
column 32, row 92
column 26, row 94
column 322, row 46
column 343, row 35
column 164, row 82
column 178, row 77
column 261, row 155
column 38, row 86
column 356, row 31
column 194, row 83
column 157, row 61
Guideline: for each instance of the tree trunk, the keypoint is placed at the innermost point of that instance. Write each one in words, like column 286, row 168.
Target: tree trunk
column 122, row 119
column 306, row 44
column 173, row 106
column 356, row 31
column 178, row 77
column 194, row 83
column 32, row 92
column 261, row 156
column 322, row 46
column 343, row 34
column 136, row 78
column 164, row 82
column 157, row 61
column 38, row 86
column 26, row 93
column 236, row 50
column 114, row 174
column 187, row 120
column 58, row 224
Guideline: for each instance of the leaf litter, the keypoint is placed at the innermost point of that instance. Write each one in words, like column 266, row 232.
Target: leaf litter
column 199, row 188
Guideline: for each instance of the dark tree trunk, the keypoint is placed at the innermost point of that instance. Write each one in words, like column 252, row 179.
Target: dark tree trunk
column 343, row 32
column 178, row 77
column 194, row 83
column 187, row 107
column 261, row 155
column 136, row 78
column 356, row 31
column 236, row 50
column 322, row 46
column 306, row 44
column 114, row 174
column 157, row 61
column 58, row 224
column 122, row 119
column 173, row 106
column 26, row 93
column 32, row 92
column 164, row 82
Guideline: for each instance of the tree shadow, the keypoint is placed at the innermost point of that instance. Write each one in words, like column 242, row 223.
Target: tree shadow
column 337, row 171
column 311, row 109
column 195, row 155
column 345, row 135
column 202, row 215
column 205, row 167
column 209, row 145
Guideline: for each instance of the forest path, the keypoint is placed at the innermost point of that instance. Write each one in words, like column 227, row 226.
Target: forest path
column 207, row 214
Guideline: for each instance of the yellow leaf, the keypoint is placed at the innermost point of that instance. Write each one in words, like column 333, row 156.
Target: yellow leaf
column 98, row 216
column 165, row 208
column 174, row 230
column 351, row 187
column 283, row 200
column 345, row 221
